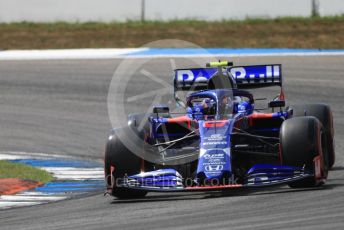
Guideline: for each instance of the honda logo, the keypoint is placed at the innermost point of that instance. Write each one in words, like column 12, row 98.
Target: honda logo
column 211, row 168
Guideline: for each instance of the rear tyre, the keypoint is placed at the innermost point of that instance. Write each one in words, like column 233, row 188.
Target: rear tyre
column 324, row 114
column 301, row 140
column 124, row 162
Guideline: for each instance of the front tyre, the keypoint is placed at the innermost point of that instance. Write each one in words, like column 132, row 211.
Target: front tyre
column 119, row 162
column 324, row 114
column 302, row 139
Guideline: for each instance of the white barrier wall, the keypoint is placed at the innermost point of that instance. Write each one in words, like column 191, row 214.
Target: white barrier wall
column 225, row 9
column 120, row 10
column 69, row 10
column 331, row 7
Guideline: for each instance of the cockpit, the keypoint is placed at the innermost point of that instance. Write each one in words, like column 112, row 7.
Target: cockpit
column 218, row 104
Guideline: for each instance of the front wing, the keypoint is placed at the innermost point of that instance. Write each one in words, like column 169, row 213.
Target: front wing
column 169, row 180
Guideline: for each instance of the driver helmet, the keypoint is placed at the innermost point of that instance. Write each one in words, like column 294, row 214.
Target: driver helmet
column 226, row 105
column 209, row 106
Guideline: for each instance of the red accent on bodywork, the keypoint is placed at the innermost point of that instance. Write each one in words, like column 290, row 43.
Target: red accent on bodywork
column 317, row 167
column 260, row 115
column 254, row 116
column 250, row 122
column 211, row 124
column 319, row 160
column 282, row 95
column 112, row 169
column 179, row 119
column 182, row 119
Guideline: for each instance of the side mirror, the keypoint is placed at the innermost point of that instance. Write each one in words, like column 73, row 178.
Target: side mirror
column 161, row 109
column 276, row 104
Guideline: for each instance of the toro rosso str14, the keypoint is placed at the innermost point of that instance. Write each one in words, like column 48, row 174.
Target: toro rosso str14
column 222, row 141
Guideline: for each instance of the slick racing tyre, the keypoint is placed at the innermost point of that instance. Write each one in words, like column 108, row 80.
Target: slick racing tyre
column 120, row 161
column 302, row 139
column 324, row 114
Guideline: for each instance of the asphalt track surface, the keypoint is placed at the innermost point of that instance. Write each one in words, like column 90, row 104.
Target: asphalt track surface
column 59, row 107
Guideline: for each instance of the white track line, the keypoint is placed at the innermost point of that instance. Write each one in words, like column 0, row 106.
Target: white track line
column 10, row 204
column 31, row 193
column 291, row 54
column 78, row 172
column 66, row 54
column 67, row 169
column 21, row 198
column 25, row 155
column 12, row 157
column 76, row 177
column 69, row 173
column 130, row 53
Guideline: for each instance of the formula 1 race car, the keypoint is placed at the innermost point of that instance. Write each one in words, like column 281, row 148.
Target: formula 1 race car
column 221, row 141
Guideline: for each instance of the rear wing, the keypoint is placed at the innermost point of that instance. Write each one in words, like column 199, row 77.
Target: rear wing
column 245, row 77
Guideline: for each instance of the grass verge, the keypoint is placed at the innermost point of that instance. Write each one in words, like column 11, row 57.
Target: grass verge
column 323, row 33
column 22, row 171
